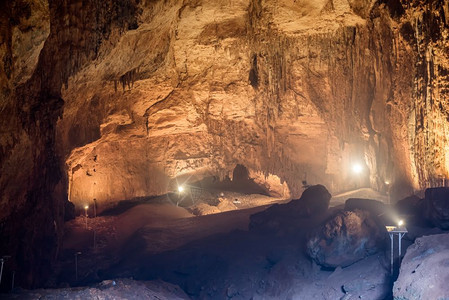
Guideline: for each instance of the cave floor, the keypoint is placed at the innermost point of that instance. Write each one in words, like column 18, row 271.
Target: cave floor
column 157, row 225
column 168, row 226
column 138, row 238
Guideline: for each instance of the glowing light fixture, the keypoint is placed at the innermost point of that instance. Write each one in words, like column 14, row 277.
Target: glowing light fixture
column 357, row 168
column 387, row 182
column 180, row 189
column 85, row 213
column 400, row 231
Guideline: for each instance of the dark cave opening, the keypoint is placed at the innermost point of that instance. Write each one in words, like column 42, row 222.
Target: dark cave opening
column 240, row 183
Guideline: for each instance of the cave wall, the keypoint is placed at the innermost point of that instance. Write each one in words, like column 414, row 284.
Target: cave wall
column 112, row 100
column 296, row 90
column 42, row 45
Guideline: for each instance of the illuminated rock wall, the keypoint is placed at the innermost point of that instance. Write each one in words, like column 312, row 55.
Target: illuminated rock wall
column 296, row 90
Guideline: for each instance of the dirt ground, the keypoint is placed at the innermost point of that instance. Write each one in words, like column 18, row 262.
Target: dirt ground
column 130, row 242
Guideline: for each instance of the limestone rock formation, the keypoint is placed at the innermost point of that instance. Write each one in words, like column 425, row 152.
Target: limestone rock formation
column 375, row 207
column 412, row 209
column 382, row 213
column 424, row 269
column 113, row 100
column 346, row 238
column 411, row 205
column 314, row 201
column 436, row 207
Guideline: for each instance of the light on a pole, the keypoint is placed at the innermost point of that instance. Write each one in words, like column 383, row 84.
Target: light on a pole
column 400, row 231
column 85, row 213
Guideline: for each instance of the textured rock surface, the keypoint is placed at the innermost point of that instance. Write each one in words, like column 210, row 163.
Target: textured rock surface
column 436, row 207
column 112, row 100
column 32, row 185
column 374, row 206
column 346, row 238
column 252, row 265
column 108, row 289
column 198, row 88
column 314, row 201
column 380, row 211
column 424, row 269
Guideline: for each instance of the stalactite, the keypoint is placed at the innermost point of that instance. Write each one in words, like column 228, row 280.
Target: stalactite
column 129, row 78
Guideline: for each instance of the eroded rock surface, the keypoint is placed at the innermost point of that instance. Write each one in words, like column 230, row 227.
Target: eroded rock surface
column 346, row 238
column 290, row 90
column 424, row 269
column 314, row 201
column 436, row 207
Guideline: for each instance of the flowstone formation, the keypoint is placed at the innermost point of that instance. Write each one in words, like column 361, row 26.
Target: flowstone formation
column 108, row 101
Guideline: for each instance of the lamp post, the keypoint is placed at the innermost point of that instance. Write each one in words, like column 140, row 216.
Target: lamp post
column 76, row 265
column 180, row 192
column 85, row 213
column 400, row 231
column 2, row 261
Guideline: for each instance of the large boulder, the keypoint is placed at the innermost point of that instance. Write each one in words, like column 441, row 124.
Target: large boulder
column 436, row 206
column 408, row 205
column 346, row 238
column 412, row 209
column 424, row 270
column 379, row 210
column 314, row 200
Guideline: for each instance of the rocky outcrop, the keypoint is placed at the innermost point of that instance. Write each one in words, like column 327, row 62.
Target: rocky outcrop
column 424, row 269
column 291, row 91
column 411, row 209
column 436, row 207
column 377, row 208
column 314, row 201
column 380, row 212
column 32, row 185
column 411, row 205
column 346, row 238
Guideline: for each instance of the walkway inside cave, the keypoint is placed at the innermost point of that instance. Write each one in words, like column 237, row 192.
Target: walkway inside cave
column 158, row 226
column 211, row 253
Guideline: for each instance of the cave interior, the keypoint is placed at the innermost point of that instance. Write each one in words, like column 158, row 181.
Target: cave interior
column 244, row 149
